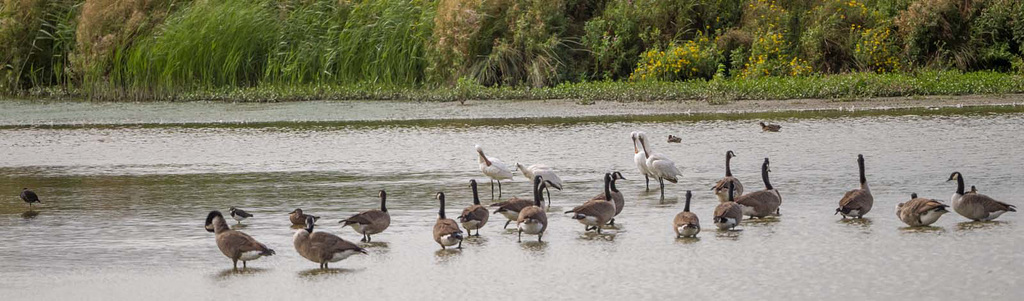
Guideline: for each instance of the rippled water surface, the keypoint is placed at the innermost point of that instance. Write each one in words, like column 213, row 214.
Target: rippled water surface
column 124, row 206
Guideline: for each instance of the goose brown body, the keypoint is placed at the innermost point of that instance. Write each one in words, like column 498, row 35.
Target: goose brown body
column 920, row 211
column 761, row 203
column 857, row 202
column 322, row 247
column 475, row 216
column 722, row 186
column 236, row 245
column 533, row 219
column 686, row 223
column 974, row 205
column 446, row 230
column 595, row 213
column 371, row 221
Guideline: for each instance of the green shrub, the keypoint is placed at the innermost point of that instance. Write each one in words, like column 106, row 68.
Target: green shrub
column 834, row 31
column 36, row 38
column 937, row 33
column 108, row 26
column 771, row 53
column 993, row 36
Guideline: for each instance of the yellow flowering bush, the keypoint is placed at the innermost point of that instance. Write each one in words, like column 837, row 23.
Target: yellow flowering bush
column 697, row 58
column 834, row 30
column 877, row 50
column 771, row 54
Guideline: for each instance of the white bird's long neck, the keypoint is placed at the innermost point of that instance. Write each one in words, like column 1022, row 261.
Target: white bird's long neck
column 483, row 159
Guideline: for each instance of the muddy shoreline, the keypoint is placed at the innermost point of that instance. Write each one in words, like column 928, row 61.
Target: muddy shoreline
column 21, row 113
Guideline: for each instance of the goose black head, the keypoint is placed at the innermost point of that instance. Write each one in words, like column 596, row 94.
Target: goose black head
column 730, row 154
column 310, row 221
column 913, row 195
column 953, row 176
column 617, row 176
column 209, row 220
column 767, row 165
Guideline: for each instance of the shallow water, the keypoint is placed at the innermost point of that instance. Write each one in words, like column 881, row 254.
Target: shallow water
column 124, row 207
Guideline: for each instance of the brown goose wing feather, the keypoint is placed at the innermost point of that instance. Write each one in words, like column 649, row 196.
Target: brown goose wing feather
column 988, row 203
column 685, row 218
column 764, row 202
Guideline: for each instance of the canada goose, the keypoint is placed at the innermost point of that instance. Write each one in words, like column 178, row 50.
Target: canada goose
column 474, row 217
column 920, row 211
column 762, row 203
column 545, row 172
column 616, row 196
column 322, row 247
column 674, row 139
column 720, row 187
column 686, row 223
column 493, row 168
column 371, row 221
column 446, row 231
column 595, row 213
column 659, row 165
column 857, row 202
column 238, row 214
column 728, row 214
column 29, row 197
column 640, row 159
column 533, row 219
column 770, row 127
column 299, row 218
column 976, row 206
column 511, row 208
column 235, row 244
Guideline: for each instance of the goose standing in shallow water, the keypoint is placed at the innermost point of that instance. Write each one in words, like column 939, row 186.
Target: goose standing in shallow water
column 762, row 203
column 595, row 213
column 545, row 172
column 976, row 206
column 235, row 244
column 370, row 222
column 322, row 247
column 616, row 196
column 721, row 187
column 29, row 197
column 659, row 165
column 686, row 223
column 640, row 159
column 728, row 214
column 474, row 217
column 533, row 220
column 299, row 219
column 238, row 214
column 511, row 208
column 446, row 231
column 857, row 202
column 493, row 168
column 920, row 211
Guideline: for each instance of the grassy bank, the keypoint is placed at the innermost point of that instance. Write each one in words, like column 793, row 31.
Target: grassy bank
column 718, row 50
column 842, row 86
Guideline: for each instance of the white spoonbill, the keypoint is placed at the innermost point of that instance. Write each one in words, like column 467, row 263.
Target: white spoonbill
column 546, row 172
column 659, row 165
column 640, row 158
column 493, row 168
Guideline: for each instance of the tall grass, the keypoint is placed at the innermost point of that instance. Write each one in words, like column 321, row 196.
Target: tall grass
column 209, row 44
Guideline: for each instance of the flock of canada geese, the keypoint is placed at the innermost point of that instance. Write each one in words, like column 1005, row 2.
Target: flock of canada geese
column 530, row 215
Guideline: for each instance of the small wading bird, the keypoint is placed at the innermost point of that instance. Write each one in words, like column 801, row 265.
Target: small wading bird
column 238, row 214
column 762, row 203
column 659, row 165
column 686, row 223
column 857, row 202
column 595, row 213
column 370, row 222
column 235, row 244
column 474, row 217
column 770, row 127
column 920, row 211
column 322, row 247
column 544, row 171
column 493, row 168
column 532, row 220
column 446, row 231
column 728, row 214
column 29, row 197
column 976, row 206
column 721, row 187
column 640, row 159
column 299, row 219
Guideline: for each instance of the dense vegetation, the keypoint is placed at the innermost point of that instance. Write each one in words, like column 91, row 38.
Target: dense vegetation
column 458, row 49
